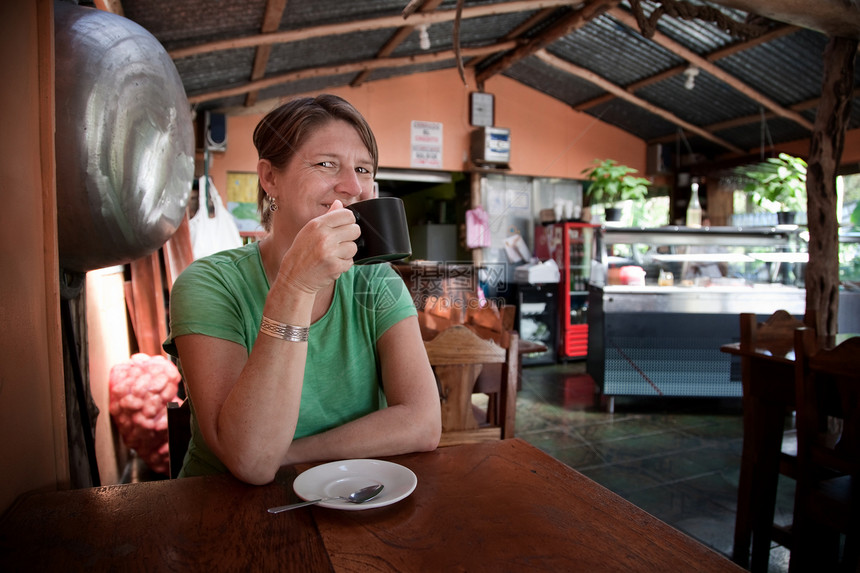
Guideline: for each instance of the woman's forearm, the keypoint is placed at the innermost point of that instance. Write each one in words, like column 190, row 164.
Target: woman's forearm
column 248, row 413
column 257, row 422
column 387, row 432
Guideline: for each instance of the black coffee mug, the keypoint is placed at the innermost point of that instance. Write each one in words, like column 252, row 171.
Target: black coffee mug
column 384, row 231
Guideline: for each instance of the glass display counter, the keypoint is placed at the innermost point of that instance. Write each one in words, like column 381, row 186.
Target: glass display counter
column 663, row 301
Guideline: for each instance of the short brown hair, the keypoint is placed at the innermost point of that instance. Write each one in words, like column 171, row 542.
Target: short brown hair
column 284, row 129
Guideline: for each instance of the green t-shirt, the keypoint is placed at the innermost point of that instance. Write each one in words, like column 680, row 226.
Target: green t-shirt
column 223, row 296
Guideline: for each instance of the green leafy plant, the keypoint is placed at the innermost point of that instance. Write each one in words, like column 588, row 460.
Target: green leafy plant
column 611, row 183
column 778, row 184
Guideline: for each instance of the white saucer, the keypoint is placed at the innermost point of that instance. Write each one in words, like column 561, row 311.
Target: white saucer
column 346, row 476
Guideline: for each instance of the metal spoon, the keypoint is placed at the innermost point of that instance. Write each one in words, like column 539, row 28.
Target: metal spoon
column 360, row 496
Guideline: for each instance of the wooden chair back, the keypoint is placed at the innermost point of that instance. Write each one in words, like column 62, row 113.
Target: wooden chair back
column 492, row 322
column 827, row 497
column 458, row 355
column 178, row 434
column 754, row 520
column 775, row 334
column 829, row 388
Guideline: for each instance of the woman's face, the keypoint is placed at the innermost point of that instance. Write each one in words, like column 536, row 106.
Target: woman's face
column 333, row 163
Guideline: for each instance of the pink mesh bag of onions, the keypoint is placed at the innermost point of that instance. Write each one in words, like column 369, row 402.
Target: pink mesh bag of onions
column 140, row 389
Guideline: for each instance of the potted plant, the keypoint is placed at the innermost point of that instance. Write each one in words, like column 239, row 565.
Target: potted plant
column 612, row 183
column 778, row 185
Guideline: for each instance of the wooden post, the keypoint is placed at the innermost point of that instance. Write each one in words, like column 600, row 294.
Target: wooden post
column 475, row 201
column 150, row 321
column 825, row 152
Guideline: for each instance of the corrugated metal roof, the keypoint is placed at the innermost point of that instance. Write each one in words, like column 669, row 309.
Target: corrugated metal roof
column 564, row 87
column 614, row 52
column 316, row 52
column 307, row 13
column 786, row 69
column 178, row 24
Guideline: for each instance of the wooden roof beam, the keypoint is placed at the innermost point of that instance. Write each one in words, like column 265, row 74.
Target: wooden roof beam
column 271, row 22
column 838, row 18
column 322, row 71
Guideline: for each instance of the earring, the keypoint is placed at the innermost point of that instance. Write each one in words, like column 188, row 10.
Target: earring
column 273, row 206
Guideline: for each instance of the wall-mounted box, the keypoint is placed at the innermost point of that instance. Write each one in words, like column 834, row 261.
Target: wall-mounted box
column 491, row 145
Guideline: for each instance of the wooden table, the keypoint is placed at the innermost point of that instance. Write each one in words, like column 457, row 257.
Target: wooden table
column 501, row 506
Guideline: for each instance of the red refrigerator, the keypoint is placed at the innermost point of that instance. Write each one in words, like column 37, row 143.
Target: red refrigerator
column 571, row 246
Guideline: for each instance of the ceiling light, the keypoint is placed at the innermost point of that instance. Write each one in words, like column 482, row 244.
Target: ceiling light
column 691, row 73
column 423, row 37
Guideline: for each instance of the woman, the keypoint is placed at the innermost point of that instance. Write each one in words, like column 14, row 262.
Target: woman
column 289, row 352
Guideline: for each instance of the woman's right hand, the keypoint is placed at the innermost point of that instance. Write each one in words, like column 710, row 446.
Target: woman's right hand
column 322, row 250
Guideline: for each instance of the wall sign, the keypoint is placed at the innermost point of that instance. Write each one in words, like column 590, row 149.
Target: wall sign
column 427, row 144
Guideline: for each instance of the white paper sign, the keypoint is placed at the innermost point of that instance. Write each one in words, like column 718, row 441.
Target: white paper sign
column 427, row 144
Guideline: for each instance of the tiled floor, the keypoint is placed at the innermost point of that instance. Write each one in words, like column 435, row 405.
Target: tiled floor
column 679, row 459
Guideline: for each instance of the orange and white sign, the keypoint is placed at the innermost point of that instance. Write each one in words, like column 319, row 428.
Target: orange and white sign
column 426, row 144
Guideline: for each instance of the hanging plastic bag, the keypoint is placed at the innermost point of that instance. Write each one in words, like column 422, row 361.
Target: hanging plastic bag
column 477, row 228
column 212, row 234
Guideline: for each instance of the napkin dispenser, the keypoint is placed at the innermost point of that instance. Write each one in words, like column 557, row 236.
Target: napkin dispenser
column 537, row 273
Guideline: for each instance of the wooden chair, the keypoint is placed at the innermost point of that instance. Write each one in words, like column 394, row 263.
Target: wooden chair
column 178, row 434
column 494, row 324
column 457, row 355
column 764, row 435
column 827, row 498
column 488, row 322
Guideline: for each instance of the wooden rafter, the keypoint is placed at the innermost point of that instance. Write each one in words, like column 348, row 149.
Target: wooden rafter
column 354, row 67
column 835, row 18
column 619, row 91
column 271, row 22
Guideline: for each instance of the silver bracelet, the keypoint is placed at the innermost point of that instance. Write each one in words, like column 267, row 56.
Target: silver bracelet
column 284, row 331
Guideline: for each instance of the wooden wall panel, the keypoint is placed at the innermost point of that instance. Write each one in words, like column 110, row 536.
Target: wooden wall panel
column 33, row 452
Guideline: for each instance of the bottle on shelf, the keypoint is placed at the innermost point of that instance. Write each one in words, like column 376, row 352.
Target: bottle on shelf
column 694, row 208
